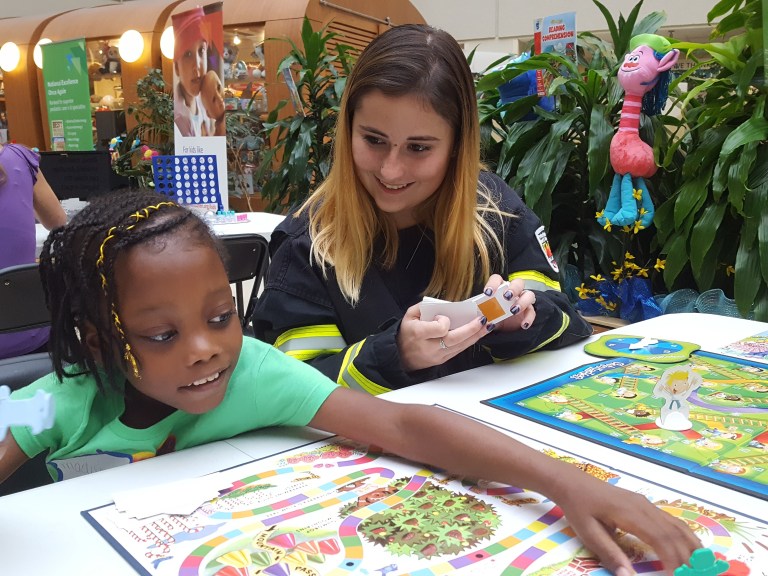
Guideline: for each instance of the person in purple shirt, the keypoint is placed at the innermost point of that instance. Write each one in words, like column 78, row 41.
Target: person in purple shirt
column 24, row 196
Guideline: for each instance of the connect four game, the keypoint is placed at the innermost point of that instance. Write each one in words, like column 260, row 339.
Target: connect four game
column 191, row 180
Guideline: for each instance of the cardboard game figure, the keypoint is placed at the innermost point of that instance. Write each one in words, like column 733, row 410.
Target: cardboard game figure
column 675, row 386
column 36, row 412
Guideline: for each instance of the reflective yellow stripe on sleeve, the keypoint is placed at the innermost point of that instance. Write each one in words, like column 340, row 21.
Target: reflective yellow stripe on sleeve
column 563, row 327
column 535, row 280
column 351, row 377
column 310, row 342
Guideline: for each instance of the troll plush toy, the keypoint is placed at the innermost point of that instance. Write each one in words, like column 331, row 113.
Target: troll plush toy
column 644, row 75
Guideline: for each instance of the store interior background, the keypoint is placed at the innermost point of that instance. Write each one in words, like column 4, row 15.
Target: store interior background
column 496, row 26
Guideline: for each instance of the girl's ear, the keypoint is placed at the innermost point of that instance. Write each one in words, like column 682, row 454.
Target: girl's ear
column 90, row 339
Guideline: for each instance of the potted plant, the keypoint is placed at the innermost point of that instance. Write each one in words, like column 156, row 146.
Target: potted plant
column 559, row 161
column 152, row 134
column 297, row 154
column 714, row 226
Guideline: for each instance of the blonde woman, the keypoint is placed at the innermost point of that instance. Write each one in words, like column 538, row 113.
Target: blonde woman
column 406, row 212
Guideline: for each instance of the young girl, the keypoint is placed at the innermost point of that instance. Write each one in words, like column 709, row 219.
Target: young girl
column 149, row 358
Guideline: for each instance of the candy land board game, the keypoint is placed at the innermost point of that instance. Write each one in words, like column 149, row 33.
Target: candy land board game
column 611, row 402
column 335, row 508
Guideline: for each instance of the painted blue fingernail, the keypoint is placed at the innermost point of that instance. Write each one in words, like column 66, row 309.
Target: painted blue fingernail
column 483, row 320
column 526, row 325
column 508, row 294
column 514, row 310
column 490, row 327
column 488, row 291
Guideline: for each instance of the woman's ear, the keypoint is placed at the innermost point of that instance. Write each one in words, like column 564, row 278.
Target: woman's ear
column 90, row 339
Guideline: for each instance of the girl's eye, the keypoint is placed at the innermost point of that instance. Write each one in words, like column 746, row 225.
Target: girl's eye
column 164, row 337
column 418, row 148
column 373, row 140
column 222, row 318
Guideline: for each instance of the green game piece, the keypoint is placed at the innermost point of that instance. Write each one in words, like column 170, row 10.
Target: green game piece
column 703, row 563
column 641, row 348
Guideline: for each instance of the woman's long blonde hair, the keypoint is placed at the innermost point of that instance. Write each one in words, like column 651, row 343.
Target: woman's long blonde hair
column 343, row 219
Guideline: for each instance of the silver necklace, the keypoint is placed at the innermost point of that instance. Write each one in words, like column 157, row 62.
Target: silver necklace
column 418, row 244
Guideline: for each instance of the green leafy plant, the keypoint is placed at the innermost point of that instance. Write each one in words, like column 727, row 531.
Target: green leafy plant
column 297, row 156
column 559, row 159
column 714, row 227
column 153, row 130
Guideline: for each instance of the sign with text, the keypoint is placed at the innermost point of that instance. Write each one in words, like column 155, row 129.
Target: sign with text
column 555, row 34
column 67, row 95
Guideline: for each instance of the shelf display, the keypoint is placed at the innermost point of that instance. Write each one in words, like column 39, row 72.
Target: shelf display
column 106, row 86
column 244, row 71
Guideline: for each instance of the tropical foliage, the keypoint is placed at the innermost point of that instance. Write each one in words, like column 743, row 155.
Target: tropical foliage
column 714, row 227
column 297, row 157
column 559, row 159
column 152, row 134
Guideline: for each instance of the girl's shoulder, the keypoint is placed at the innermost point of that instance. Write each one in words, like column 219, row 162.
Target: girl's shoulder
column 31, row 157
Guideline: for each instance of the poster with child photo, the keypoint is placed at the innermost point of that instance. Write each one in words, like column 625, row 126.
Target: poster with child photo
column 198, row 105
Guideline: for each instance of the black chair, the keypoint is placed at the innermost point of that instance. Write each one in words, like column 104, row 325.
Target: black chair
column 22, row 306
column 22, row 298
column 248, row 260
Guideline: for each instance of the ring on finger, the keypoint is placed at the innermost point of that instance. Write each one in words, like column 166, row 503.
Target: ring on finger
column 523, row 291
column 443, row 345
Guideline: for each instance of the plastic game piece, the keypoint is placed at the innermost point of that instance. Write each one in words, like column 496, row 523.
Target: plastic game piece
column 646, row 341
column 36, row 412
column 641, row 348
column 703, row 562
column 674, row 386
column 225, row 217
column 736, row 568
column 495, row 308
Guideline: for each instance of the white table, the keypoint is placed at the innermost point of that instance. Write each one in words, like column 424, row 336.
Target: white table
column 42, row 531
column 258, row 223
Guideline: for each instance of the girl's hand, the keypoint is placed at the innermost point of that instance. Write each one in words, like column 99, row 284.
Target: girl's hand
column 596, row 511
column 424, row 344
column 520, row 300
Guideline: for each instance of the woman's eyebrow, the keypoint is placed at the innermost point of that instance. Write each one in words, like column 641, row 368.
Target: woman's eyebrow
column 380, row 133
column 373, row 130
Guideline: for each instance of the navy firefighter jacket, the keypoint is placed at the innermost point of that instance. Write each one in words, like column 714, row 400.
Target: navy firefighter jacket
column 304, row 314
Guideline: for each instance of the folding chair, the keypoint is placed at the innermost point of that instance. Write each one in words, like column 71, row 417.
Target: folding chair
column 22, row 306
column 248, row 260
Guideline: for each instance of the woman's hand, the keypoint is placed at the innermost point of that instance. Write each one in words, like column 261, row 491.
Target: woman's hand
column 424, row 344
column 520, row 300
column 599, row 512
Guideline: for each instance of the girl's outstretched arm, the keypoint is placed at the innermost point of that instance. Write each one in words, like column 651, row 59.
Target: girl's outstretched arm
column 11, row 457
column 465, row 447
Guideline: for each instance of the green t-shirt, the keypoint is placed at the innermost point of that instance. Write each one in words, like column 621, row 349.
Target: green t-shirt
column 267, row 388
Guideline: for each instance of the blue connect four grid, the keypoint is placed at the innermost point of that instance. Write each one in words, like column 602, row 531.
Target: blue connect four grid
column 190, row 179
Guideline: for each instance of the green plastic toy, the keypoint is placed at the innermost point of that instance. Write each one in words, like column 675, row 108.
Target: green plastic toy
column 703, row 563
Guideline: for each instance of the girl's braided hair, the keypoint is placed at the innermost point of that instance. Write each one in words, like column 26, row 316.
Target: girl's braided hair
column 77, row 267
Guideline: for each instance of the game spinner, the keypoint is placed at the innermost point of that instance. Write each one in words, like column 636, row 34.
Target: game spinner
column 337, row 509
column 611, row 402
